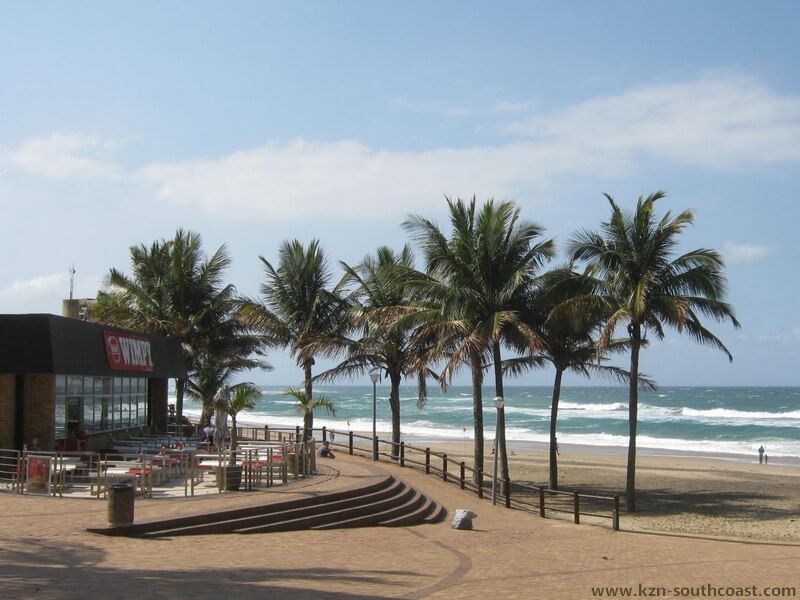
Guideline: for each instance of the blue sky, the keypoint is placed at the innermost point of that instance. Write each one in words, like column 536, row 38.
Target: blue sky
column 255, row 122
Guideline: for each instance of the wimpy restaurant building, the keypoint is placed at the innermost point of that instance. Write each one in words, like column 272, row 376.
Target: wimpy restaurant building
column 67, row 383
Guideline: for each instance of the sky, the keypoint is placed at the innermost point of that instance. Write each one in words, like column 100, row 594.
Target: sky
column 252, row 123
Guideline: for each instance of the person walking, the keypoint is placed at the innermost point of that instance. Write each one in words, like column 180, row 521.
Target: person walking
column 760, row 454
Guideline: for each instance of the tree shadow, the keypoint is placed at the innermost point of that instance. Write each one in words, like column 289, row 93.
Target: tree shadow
column 31, row 568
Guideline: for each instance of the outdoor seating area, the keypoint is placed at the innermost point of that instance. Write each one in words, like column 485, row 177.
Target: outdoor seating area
column 155, row 465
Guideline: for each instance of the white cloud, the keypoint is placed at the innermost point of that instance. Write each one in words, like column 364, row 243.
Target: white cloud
column 44, row 293
column 64, row 156
column 27, row 293
column 719, row 122
column 745, row 254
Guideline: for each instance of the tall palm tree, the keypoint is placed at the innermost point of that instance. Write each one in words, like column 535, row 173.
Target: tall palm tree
column 644, row 288
column 566, row 342
column 174, row 290
column 306, row 405
column 479, row 277
column 382, row 292
column 297, row 310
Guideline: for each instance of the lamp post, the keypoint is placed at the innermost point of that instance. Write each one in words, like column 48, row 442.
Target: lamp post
column 374, row 375
column 498, row 404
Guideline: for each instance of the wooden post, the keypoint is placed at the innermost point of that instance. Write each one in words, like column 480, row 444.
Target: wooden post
column 266, row 433
column 402, row 454
column 297, row 434
column 351, row 443
column 444, row 467
column 324, row 433
column 541, row 502
column 427, row 461
column 577, row 509
column 508, row 492
column 463, row 470
column 615, row 516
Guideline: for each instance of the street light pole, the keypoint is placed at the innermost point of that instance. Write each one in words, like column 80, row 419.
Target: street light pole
column 498, row 404
column 374, row 375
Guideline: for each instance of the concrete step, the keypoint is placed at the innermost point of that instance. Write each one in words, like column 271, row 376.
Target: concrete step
column 357, row 508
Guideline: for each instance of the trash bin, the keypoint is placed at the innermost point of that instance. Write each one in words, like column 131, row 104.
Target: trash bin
column 120, row 505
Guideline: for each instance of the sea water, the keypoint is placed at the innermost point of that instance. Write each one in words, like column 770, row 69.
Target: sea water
column 709, row 420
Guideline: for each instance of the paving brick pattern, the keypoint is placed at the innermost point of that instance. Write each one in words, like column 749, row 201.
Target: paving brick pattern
column 45, row 552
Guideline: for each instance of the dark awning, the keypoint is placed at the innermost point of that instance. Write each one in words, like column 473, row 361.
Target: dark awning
column 43, row 343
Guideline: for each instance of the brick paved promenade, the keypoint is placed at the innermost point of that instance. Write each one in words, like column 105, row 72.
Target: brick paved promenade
column 45, row 553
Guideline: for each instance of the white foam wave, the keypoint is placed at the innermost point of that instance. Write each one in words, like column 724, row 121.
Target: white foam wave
column 728, row 413
column 592, row 407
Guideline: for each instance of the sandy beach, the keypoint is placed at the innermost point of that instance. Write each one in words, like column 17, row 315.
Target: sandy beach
column 677, row 493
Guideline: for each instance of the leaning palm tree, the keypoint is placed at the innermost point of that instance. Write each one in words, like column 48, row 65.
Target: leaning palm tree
column 479, row 276
column 225, row 357
column 645, row 287
column 297, row 310
column 381, row 295
column 174, row 290
column 306, row 405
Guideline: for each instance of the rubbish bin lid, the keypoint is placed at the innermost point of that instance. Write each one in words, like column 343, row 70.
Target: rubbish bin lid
column 121, row 486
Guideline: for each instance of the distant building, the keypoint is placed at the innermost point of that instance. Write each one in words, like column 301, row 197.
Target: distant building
column 68, row 383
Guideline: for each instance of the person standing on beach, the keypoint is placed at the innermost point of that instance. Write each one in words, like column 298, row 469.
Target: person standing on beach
column 760, row 454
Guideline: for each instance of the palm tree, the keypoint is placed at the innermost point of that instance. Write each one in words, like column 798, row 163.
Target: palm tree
column 382, row 293
column 479, row 277
column 306, row 405
column 174, row 290
column 644, row 288
column 234, row 399
column 226, row 357
column 566, row 342
column 298, row 310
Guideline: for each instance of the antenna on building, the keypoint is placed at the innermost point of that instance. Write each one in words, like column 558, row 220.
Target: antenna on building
column 71, row 280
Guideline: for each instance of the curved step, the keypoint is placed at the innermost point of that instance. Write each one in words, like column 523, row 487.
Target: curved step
column 356, row 510
column 386, row 502
column 411, row 503
column 273, row 520
column 157, row 527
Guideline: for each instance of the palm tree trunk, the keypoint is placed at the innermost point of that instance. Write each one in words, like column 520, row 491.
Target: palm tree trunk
column 553, row 438
column 477, row 414
column 308, row 421
column 394, row 404
column 633, row 416
column 500, row 446
column 180, row 386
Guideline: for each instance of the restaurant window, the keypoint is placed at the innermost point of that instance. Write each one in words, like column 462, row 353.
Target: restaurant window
column 92, row 404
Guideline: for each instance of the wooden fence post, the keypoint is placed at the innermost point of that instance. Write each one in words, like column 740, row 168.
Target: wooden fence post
column 351, row 443
column 508, row 492
column 324, row 433
column 615, row 516
column 577, row 509
column 402, row 454
column 541, row 502
column 463, row 470
column 427, row 461
column 444, row 467
column 479, row 481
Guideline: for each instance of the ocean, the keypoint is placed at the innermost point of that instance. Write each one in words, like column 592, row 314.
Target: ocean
column 709, row 420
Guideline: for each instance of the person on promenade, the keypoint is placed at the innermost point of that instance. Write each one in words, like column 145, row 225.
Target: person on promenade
column 760, row 454
column 325, row 451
